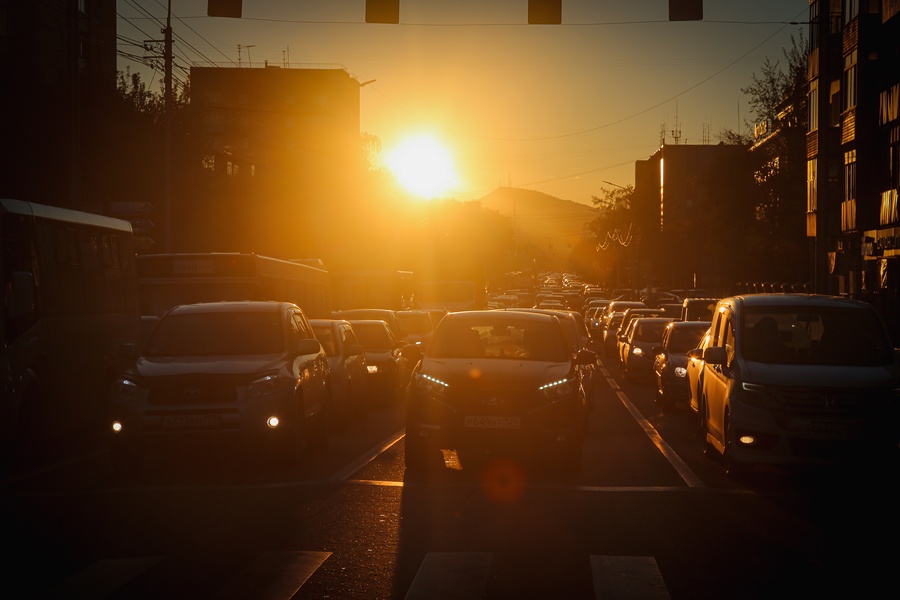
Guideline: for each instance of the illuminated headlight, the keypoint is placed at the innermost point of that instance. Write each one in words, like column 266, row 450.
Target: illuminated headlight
column 372, row 369
column 756, row 394
column 680, row 372
column 264, row 386
column 429, row 386
column 559, row 389
column 637, row 352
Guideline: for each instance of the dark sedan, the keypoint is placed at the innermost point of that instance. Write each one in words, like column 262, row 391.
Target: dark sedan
column 497, row 383
column 671, row 359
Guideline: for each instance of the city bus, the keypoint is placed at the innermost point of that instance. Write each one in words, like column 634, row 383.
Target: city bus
column 166, row 280
column 69, row 306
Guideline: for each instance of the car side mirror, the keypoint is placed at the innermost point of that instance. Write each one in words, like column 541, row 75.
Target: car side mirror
column 308, row 346
column 715, row 355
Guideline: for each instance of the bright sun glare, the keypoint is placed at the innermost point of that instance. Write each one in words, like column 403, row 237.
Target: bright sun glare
column 423, row 166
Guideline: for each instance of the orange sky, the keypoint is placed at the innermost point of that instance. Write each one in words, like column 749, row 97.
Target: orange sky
column 556, row 108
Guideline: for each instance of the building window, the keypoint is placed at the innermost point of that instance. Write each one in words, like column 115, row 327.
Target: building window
column 849, row 83
column 850, row 175
column 813, row 25
column 851, row 10
column 813, row 103
column 811, row 190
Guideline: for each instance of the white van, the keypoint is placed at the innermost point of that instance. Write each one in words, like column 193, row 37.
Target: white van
column 798, row 379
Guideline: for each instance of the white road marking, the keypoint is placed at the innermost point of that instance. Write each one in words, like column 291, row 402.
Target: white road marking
column 627, row 578
column 273, row 576
column 451, row 576
column 103, row 577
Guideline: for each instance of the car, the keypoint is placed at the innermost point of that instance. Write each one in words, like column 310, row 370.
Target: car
column 579, row 339
column 526, row 403
column 694, row 375
column 418, row 325
column 387, row 315
column 671, row 358
column 387, row 367
column 642, row 336
column 619, row 306
column 629, row 315
column 347, row 367
column 797, row 380
column 698, row 309
column 249, row 374
column 609, row 346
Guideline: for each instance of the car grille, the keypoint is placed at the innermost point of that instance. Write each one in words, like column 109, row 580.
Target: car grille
column 828, row 402
column 194, row 390
column 499, row 401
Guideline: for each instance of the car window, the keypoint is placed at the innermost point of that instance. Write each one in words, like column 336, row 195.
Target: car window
column 218, row 334
column 325, row 335
column 541, row 341
column 374, row 336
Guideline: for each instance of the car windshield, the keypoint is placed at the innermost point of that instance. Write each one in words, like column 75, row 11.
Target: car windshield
column 650, row 331
column 487, row 338
column 326, row 337
column 373, row 336
column 683, row 339
column 417, row 323
column 217, row 334
column 815, row 336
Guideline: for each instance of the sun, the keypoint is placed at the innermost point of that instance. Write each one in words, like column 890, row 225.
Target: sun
column 423, row 165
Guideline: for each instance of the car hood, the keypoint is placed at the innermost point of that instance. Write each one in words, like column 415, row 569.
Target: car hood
column 510, row 375
column 159, row 367
column 379, row 357
column 822, row 375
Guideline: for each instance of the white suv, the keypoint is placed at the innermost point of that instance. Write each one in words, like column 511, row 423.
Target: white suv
column 798, row 379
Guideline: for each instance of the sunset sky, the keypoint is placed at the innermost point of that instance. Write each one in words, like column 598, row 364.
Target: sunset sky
column 562, row 109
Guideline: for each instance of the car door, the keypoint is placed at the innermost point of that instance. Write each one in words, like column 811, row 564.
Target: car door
column 718, row 379
column 311, row 370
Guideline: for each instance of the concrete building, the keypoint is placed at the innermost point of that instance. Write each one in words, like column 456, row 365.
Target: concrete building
column 853, row 150
column 58, row 59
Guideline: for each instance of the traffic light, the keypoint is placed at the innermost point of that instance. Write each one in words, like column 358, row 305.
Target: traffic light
column 224, row 8
column 544, row 12
column 383, row 11
column 685, row 10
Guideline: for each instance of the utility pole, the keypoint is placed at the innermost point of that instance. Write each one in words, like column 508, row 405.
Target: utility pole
column 167, row 57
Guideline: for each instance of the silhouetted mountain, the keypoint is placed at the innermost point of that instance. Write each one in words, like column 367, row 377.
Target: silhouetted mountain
column 552, row 224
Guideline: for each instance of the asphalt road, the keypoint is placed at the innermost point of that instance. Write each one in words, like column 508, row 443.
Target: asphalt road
column 648, row 516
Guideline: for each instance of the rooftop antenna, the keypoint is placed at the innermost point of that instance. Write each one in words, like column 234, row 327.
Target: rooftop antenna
column 662, row 134
column 676, row 132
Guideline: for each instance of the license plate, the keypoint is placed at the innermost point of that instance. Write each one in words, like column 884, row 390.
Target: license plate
column 481, row 422
column 190, row 421
column 836, row 431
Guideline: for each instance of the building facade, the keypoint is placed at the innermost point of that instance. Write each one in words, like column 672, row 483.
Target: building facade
column 853, row 150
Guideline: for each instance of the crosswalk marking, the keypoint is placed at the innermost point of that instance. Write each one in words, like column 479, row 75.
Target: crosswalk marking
column 451, row 576
column 273, row 576
column 441, row 576
column 627, row 577
column 103, row 577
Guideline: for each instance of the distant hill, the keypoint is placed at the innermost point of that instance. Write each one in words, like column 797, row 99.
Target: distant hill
column 552, row 224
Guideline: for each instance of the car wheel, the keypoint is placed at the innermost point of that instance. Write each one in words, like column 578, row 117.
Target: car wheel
column 732, row 468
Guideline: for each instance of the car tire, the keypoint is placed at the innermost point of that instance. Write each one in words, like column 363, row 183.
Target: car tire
column 733, row 469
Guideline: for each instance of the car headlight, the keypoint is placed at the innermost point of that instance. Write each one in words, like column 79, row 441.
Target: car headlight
column 637, row 351
column 680, row 372
column 559, row 389
column 431, row 387
column 128, row 389
column 372, row 369
column 265, row 386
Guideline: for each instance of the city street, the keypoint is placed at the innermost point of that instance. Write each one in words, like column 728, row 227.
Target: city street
column 649, row 516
